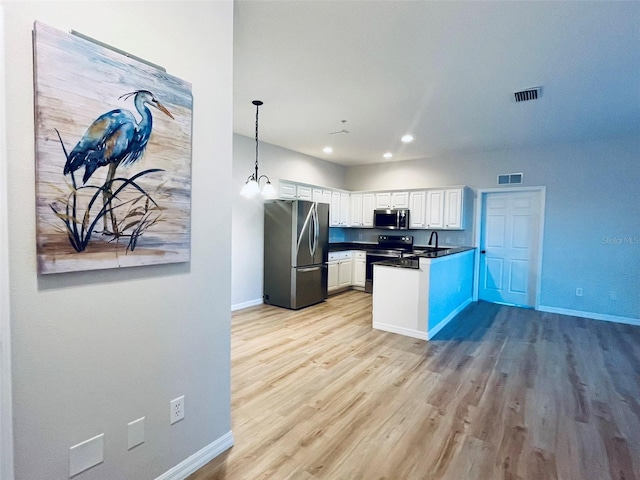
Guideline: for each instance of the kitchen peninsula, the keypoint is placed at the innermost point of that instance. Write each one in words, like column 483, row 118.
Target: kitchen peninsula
column 419, row 295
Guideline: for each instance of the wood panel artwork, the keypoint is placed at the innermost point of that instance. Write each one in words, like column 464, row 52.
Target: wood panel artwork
column 500, row 393
column 113, row 158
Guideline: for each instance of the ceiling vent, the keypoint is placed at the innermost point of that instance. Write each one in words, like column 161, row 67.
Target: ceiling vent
column 528, row 94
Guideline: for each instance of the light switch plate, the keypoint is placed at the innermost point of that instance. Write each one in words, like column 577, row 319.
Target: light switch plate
column 135, row 433
column 86, row 455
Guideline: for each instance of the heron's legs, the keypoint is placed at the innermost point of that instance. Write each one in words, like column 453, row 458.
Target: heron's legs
column 107, row 198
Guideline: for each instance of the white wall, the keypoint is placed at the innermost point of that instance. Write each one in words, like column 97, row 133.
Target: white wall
column 592, row 221
column 247, row 225
column 6, row 409
column 92, row 351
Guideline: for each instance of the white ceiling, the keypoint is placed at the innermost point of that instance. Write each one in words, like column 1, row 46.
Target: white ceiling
column 442, row 71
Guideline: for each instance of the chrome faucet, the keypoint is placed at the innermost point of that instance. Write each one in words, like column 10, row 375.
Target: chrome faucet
column 431, row 238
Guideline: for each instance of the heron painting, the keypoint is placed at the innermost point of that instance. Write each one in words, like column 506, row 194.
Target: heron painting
column 113, row 158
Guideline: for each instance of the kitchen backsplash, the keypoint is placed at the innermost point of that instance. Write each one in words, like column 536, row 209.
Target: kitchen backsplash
column 420, row 237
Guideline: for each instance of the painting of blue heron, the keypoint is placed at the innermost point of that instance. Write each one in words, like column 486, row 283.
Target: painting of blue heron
column 113, row 157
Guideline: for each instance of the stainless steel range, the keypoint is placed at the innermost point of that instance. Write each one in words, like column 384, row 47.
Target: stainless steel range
column 389, row 246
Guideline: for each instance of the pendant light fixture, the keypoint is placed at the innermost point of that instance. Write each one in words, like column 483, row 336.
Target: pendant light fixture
column 252, row 186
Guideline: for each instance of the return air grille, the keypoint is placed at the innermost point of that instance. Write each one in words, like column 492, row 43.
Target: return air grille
column 529, row 94
column 509, row 178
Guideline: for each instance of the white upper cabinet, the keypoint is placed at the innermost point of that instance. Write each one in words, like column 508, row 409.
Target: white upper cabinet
column 287, row 190
column 368, row 203
column 445, row 209
column 400, row 200
column 435, row 209
column 339, row 210
column 356, row 209
column 453, row 209
column 303, row 193
column 417, row 204
column 321, row 196
column 344, row 209
column 392, row 200
column 383, row 200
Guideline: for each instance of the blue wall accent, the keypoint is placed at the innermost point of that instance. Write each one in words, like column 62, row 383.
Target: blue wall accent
column 454, row 270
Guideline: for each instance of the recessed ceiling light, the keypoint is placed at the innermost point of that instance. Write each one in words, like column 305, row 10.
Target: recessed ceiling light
column 327, row 150
column 388, row 155
column 407, row 138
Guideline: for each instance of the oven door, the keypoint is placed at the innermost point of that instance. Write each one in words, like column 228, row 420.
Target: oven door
column 371, row 259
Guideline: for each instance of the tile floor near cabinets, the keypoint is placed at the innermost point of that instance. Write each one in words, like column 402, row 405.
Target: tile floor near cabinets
column 501, row 393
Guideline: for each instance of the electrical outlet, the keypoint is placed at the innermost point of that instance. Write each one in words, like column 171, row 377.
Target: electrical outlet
column 176, row 412
column 578, row 292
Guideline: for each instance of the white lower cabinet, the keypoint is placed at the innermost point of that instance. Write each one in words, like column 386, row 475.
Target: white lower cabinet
column 332, row 277
column 340, row 272
column 359, row 268
column 345, row 268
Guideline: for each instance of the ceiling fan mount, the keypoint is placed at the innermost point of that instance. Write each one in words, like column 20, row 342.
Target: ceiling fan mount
column 343, row 131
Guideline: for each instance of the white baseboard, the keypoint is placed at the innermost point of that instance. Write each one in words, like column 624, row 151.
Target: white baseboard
column 591, row 315
column 422, row 335
column 250, row 303
column 408, row 332
column 433, row 331
column 199, row 459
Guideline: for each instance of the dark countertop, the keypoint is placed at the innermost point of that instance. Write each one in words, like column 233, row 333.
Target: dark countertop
column 426, row 252
column 412, row 260
column 343, row 246
column 400, row 262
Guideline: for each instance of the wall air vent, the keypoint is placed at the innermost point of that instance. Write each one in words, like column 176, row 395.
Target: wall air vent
column 528, row 94
column 509, row 179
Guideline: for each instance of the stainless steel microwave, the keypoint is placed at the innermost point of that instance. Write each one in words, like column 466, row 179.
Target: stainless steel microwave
column 391, row 219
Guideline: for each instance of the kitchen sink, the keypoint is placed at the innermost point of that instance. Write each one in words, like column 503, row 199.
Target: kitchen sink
column 429, row 250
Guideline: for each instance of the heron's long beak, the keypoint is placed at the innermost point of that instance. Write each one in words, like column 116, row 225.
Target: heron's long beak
column 163, row 109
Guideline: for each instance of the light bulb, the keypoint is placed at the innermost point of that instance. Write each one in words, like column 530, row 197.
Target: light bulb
column 268, row 190
column 250, row 189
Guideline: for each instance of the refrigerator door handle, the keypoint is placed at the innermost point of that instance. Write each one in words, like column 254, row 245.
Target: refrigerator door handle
column 312, row 232
column 316, row 228
column 305, row 225
column 310, row 269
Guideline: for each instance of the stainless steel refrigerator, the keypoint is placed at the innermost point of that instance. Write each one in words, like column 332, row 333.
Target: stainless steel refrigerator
column 296, row 250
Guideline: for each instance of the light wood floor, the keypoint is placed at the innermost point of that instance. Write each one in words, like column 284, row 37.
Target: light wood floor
column 501, row 393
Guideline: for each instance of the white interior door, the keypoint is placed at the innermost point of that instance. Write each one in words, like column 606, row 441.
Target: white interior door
column 509, row 247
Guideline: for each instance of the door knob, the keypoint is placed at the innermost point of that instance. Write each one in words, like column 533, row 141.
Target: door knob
column 483, row 251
